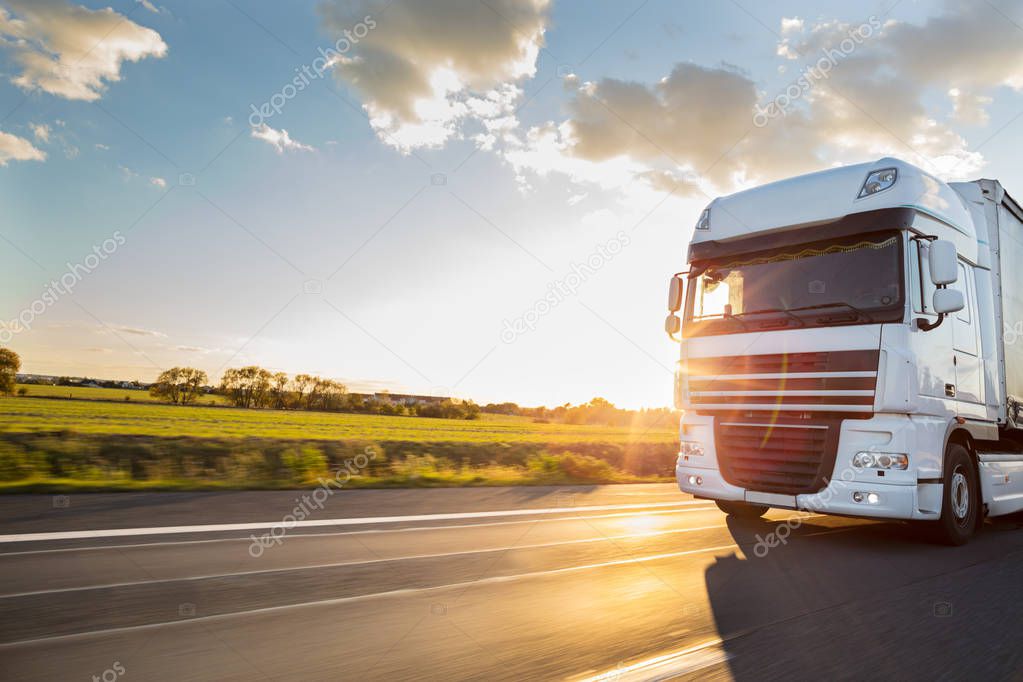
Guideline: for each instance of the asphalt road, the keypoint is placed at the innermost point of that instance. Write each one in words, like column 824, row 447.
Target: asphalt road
column 629, row 582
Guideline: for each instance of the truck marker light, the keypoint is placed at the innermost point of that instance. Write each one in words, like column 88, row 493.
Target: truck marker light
column 878, row 181
column 704, row 222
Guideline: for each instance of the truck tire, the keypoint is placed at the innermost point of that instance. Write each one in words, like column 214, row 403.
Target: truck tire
column 742, row 510
column 960, row 502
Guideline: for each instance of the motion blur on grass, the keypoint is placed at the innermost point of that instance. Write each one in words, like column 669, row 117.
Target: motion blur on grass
column 64, row 438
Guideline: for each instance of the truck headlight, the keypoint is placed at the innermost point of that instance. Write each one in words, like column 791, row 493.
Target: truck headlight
column 880, row 460
column 878, row 181
column 691, row 449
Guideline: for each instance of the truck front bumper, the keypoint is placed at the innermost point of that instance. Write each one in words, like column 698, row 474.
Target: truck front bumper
column 910, row 494
column 853, row 498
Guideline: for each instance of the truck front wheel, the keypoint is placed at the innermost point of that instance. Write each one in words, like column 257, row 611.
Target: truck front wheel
column 960, row 504
column 742, row 510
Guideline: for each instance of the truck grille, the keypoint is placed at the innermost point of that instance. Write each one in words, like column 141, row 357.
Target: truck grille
column 835, row 381
column 776, row 458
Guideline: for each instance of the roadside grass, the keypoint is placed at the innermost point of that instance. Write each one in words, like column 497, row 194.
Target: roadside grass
column 55, row 446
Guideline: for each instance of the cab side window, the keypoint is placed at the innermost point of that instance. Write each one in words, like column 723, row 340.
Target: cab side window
column 920, row 272
column 963, row 286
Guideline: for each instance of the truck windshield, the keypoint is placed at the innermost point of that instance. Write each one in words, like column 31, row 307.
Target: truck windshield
column 854, row 280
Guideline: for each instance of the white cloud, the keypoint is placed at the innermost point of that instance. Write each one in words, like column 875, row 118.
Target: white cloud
column 426, row 69
column 136, row 331
column 278, row 139
column 791, row 25
column 41, row 131
column 969, row 108
column 698, row 120
column 71, row 51
column 14, row 148
column 158, row 182
column 150, row 6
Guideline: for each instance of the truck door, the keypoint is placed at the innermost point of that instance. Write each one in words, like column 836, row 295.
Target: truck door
column 969, row 394
column 933, row 349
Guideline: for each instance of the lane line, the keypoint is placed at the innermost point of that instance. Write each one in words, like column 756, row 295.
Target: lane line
column 315, row 523
column 374, row 531
column 362, row 597
column 668, row 666
column 493, row 580
column 438, row 555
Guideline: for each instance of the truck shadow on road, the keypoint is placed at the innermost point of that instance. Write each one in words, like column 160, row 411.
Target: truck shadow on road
column 830, row 595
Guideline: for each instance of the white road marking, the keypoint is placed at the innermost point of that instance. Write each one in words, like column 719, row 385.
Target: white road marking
column 493, row 580
column 262, row 571
column 374, row 531
column 314, row 523
column 668, row 666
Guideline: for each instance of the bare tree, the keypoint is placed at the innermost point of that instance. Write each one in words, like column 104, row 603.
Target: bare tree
column 179, row 385
column 279, row 390
column 247, row 386
column 302, row 383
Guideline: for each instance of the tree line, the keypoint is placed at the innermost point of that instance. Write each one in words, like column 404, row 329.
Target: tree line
column 598, row 411
column 256, row 387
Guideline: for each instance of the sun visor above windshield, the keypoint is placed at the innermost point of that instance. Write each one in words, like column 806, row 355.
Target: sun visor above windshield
column 857, row 223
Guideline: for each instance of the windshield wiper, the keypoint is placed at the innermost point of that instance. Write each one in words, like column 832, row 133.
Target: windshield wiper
column 768, row 311
column 820, row 306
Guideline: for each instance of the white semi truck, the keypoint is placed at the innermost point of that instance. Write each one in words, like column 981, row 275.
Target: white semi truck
column 852, row 343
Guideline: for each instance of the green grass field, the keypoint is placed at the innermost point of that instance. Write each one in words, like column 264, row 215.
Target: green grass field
column 98, row 441
column 135, row 418
column 115, row 394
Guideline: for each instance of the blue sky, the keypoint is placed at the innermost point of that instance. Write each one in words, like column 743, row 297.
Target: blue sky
column 456, row 164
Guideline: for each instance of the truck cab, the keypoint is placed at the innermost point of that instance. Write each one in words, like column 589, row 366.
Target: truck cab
column 842, row 349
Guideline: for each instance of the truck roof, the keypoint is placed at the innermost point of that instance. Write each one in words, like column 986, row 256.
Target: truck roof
column 830, row 195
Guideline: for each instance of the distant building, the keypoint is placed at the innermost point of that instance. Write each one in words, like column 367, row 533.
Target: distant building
column 40, row 379
column 408, row 399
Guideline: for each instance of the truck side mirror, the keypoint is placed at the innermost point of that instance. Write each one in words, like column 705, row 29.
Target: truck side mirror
column 944, row 262
column 948, row 301
column 944, row 266
column 672, row 325
column 676, row 292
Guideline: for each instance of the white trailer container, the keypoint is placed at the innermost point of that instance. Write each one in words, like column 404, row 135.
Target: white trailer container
column 852, row 343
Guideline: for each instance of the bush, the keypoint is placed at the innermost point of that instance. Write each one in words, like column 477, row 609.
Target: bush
column 304, row 465
column 17, row 464
column 586, row 468
column 262, row 462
